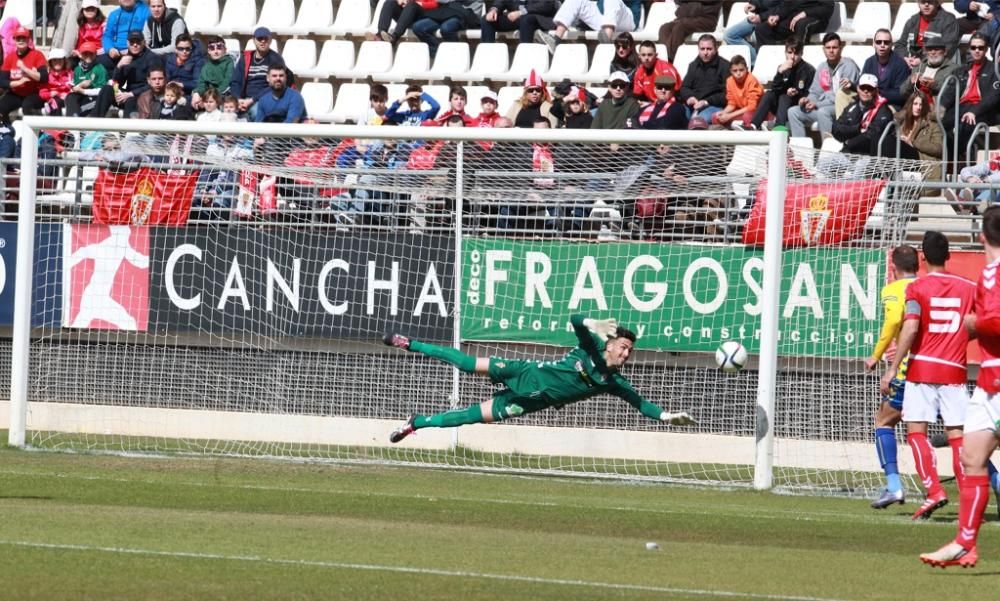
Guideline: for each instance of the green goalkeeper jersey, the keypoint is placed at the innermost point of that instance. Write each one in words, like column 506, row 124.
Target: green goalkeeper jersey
column 580, row 374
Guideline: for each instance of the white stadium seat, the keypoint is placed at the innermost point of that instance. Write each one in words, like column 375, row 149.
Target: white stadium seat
column 858, row 53
column 410, row 57
column 728, row 51
column 23, row 10
column 813, row 54
column 488, row 57
column 659, row 13
column 315, row 16
column 202, row 15
column 373, row 58
column 351, row 103
column 353, row 18
column 277, row 15
column 768, row 59
column 318, row 97
column 238, row 16
column 685, row 54
column 568, row 62
column 868, row 17
column 335, row 54
column 452, row 62
column 903, row 13
column 507, row 97
column 736, row 14
column 526, row 58
column 299, row 55
column 600, row 64
column 440, row 93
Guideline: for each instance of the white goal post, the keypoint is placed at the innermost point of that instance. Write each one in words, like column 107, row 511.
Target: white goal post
column 254, row 379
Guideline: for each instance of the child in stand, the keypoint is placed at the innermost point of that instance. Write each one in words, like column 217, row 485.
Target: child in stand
column 231, row 105
column 88, row 79
column 90, row 28
column 174, row 106
column 210, row 101
column 743, row 94
column 52, row 95
column 216, row 72
column 378, row 98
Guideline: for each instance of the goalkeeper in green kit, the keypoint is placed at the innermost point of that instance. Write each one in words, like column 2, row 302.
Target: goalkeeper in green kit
column 529, row 386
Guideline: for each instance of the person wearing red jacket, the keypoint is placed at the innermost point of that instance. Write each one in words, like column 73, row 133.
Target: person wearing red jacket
column 23, row 73
column 651, row 67
column 90, row 26
column 51, row 98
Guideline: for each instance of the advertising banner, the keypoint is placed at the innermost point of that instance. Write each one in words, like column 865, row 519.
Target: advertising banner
column 675, row 297
column 239, row 281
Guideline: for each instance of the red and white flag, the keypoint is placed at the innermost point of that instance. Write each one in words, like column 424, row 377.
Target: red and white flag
column 144, row 196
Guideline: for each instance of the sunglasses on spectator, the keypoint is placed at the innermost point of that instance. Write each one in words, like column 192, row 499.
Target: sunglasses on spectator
column 618, row 85
column 217, row 46
column 978, row 48
column 533, row 91
column 135, row 42
column 573, row 101
column 183, row 48
column 263, row 39
column 882, row 42
column 662, row 87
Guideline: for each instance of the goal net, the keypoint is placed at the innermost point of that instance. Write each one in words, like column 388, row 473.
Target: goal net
column 224, row 289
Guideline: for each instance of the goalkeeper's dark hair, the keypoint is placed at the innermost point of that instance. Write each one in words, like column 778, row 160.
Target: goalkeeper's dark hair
column 935, row 247
column 991, row 225
column 905, row 259
column 625, row 333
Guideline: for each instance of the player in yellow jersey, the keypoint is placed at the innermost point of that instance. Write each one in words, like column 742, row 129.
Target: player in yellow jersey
column 905, row 262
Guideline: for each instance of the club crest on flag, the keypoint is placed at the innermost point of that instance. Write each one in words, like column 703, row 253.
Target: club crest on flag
column 142, row 202
column 813, row 219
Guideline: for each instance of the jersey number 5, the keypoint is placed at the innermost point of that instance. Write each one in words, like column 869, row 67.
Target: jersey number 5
column 945, row 318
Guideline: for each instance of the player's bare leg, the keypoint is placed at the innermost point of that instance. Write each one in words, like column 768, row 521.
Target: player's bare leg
column 926, row 463
column 452, row 356
column 975, row 494
column 885, row 444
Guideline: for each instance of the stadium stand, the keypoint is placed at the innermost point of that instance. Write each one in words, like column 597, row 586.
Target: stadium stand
column 278, row 16
column 314, row 17
column 238, row 17
column 452, row 62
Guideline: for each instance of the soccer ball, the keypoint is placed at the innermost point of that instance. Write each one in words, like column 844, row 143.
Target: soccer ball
column 731, row 356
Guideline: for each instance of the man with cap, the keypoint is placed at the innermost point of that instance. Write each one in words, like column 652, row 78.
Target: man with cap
column 861, row 124
column 650, row 68
column 889, row 67
column 250, row 73
column 703, row 90
column 162, row 27
column 131, row 15
column 129, row 79
column 790, row 83
column 620, row 109
column 89, row 77
column 665, row 112
column 930, row 23
column 932, row 71
column 22, row 74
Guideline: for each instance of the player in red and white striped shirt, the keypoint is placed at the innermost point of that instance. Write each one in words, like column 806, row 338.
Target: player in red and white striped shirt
column 934, row 336
column 983, row 415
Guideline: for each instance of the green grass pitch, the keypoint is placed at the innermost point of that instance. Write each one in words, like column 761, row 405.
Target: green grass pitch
column 98, row 527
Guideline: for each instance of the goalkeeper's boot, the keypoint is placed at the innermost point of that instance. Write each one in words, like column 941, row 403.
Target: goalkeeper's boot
column 931, row 504
column 396, row 340
column 889, row 498
column 952, row 554
column 403, row 431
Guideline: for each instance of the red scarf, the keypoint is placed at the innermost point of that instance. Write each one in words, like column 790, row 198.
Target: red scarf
column 972, row 95
column 867, row 118
column 542, row 162
column 647, row 113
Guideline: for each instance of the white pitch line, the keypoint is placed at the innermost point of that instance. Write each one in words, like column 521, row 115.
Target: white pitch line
column 419, row 571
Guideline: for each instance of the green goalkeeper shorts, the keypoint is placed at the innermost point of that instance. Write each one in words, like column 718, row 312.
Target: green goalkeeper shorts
column 508, row 404
column 519, row 376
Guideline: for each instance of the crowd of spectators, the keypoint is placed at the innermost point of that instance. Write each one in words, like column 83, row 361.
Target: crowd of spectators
column 142, row 62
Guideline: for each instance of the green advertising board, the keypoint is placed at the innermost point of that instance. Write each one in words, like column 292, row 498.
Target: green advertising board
column 675, row 297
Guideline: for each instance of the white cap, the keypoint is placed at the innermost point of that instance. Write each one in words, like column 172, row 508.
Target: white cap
column 56, row 53
column 618, row 76
column 490, row 95
column 90, row 4
column 868, row 79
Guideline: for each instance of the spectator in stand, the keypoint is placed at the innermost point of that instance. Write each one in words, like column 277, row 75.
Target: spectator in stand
column 283, row 104
column 131, row 15
column 790, row 83
column 650, row 68
column 173, row 105
column 931, row 73
column 620, row 109
column 148, row 103
column 742, row 32
column 185, row 64
column 626, row 59
column 211, row 102
column 250, row 75
column 414, row 114
column 692, row 16
column 88, row 79
column 665, row 112
column 451, row 18
column 457, row 99
column 524, row 17
column 743, row 94
column 920, row 135
column 980, row 98
column 607, row 19
column 378, row 97
column 404, row 12
column 128, row 80
column 162, row 28
column 796, row 18
column 216, row 71
column 930, row 22
column 89, row 26
column 488, row 114
column 51, row 98
column 975, row 13
column 861, row 124
column 703, row 90
column 984, row 172
column 533, row 103
column 23, row 73
column 572, row 111
column 891, row 70
column 834, row 74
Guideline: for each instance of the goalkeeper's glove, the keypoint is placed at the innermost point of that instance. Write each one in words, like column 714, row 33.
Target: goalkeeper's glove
column 602, row 328
column 678, row 419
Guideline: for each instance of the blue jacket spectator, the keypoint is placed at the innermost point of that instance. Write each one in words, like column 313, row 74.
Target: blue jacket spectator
column 250, row 73
column 891, row 76
column 185, row 63
column 131, row 15
column 282, row 104
column 414, row 112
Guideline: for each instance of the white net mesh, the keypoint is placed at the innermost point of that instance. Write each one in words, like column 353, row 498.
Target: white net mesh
column 255, row 327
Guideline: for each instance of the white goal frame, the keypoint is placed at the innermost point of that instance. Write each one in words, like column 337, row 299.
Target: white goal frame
column 776, row 142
